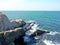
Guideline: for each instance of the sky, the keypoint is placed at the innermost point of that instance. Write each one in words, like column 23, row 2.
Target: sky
column 52, row 5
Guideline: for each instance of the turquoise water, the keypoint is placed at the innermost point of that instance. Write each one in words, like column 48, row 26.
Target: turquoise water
column 49, row 20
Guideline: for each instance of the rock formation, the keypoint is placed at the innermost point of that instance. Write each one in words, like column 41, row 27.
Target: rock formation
column 10, row 30
column 8, row 37
column 18, row 23
column 13, row 32
column 4, row 22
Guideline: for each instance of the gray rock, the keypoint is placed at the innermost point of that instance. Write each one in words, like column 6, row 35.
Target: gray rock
column 4, row 22
column 2, row 40
column 12, row 34
column 18, row 23
column 8, row 37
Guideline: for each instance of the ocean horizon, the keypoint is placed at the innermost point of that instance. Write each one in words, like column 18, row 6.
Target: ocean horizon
column 48, row 20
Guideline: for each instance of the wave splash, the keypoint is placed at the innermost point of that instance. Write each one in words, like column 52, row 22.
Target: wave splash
column 52, row 38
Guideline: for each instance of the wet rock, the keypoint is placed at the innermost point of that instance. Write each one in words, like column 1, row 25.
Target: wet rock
column 33, row 33
column 28, row 26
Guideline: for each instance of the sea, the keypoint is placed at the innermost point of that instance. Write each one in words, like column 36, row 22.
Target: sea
column 47, row 20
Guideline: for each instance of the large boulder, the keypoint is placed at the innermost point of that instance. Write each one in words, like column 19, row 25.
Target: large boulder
column 9, row 36
column 18, row 23
column 13, row 34
column 4, row 22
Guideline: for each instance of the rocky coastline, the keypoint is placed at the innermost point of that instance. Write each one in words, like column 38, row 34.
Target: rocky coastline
column 16, row 32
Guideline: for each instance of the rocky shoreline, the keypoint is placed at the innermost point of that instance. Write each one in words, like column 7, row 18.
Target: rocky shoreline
column 17, row 32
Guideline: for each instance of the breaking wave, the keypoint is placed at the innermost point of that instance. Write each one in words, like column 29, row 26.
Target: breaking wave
column 53, row 38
